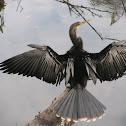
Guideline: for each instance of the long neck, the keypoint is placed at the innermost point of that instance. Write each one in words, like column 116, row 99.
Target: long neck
column 77, row 41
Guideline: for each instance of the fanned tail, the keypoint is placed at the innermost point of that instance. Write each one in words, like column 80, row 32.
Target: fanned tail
column 79, row 104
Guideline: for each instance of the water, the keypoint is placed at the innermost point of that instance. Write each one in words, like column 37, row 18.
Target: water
column 47, row 22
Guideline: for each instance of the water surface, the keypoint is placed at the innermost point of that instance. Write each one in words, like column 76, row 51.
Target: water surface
column 47, row 22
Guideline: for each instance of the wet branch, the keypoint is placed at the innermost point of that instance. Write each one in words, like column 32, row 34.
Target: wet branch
column 48, row 116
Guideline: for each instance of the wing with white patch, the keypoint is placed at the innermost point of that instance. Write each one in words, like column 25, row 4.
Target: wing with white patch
column 110, row 63
column 42, row 62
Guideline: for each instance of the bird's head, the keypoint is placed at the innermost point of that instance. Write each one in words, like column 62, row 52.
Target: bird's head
column 77, row 41
column 76, row 25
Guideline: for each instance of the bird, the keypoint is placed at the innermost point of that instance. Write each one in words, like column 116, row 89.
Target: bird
column 77, row 66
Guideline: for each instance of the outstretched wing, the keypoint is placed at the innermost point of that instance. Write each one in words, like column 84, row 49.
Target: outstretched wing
column 42, row 63
column 110, row 63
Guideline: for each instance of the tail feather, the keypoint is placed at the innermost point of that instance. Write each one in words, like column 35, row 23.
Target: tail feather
column 95, row 106
column 81, row 111
column 64, row 104
column 93, row 98
column 74, row 114
column 90, row 111
column 71, row 106
column 83, row 106
column 98, row 105
column 67, row 107
column 79, row 104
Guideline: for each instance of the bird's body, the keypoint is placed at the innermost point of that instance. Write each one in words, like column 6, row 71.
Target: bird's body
column 80, row 72
column 77, row 66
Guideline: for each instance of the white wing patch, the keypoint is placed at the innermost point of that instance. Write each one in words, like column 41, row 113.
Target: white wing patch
column 69, row 70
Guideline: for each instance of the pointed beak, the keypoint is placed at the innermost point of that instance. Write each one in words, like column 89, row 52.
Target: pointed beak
column 82, row 23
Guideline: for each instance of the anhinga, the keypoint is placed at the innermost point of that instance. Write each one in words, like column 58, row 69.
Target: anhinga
column 76, row 67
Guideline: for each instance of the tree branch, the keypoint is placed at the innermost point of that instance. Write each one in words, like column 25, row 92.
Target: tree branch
column 48, row 116
column 123, row 6
column 76, row 9
column 20, row 6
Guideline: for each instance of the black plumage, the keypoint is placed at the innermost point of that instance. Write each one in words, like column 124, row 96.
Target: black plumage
column 77, row 66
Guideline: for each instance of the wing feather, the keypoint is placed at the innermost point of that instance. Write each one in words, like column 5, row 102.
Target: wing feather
column 42, row 62
column 110, row 62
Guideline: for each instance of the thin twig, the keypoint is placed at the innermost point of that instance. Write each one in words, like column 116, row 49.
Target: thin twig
column 87, row 8
column 19, row 5
column 89, row 24
column 111, row 39
column 123, row 5
column 76, row 9
column 69, row 7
